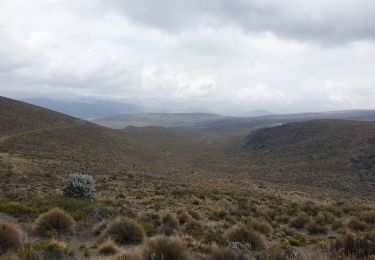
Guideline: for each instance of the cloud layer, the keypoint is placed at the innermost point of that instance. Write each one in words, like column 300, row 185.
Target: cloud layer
column 222, row 55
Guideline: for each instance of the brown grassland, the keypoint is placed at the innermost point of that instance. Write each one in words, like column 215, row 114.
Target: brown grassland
column 299, row 191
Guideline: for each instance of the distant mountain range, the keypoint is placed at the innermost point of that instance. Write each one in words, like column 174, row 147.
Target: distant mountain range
column 260, row 112
column 224, row 124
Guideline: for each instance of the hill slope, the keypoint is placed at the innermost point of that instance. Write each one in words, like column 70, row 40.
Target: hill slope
column 325, row 149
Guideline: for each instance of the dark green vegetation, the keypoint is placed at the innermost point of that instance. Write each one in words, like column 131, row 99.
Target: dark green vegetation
column 303, row 189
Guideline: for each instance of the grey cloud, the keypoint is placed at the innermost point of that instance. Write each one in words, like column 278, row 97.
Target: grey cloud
column 327, row 22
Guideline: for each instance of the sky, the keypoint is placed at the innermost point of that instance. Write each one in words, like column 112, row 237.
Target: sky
column 220, row 55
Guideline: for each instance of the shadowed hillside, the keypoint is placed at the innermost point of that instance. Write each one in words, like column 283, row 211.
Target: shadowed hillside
column 322, row 150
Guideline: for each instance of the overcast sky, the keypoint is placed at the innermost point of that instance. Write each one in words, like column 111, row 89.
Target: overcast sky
column 223, row 55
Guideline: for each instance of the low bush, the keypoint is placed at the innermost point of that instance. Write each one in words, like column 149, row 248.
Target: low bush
column 125, row 231
column 10, row 236
column 297, row 239
column 79, row 186
column 55, row 220
column 165, row 248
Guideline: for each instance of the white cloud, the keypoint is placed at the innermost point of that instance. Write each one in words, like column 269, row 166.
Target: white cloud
column 279, row 55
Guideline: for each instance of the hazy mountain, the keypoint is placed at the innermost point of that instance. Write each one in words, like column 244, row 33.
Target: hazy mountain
column 260, row 112
column 86, row 110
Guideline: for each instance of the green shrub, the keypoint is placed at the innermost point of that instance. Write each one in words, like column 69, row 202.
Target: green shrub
column 297, row 239
column 79, row 186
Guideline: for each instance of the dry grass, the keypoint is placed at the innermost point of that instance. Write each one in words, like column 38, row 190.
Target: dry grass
column 368, row 217
column 170, row 220
column 217, row 253
column 316, row 228
column 357, row 224
column 300, row 221
column 125, row 231
column 165, row 248
column 260, row 225
column 184, row 217
column 108, row 247
column 99, row 227
column 55, row 220
column 10, row 236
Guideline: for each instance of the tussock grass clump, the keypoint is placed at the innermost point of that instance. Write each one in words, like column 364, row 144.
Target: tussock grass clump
column 53, row 249
column 170, row 220
column 260, row 226
column 99, row 227
column 316, row 228
column 194, row 214
column 55, row 220
column 125, row 231
column 357, row 224
column 218, row 214
column 10, row 236
column 184, row 216
column 165, row 248
column 245, row 235
column 345, row 243
column 324, row 218
column 361, row 246
column 218, row 253
column 152, row 217
column 300, row 221
column 368, row 217
column 108, row 247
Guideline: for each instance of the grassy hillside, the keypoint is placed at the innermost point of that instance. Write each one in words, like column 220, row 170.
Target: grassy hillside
column 16, row 116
